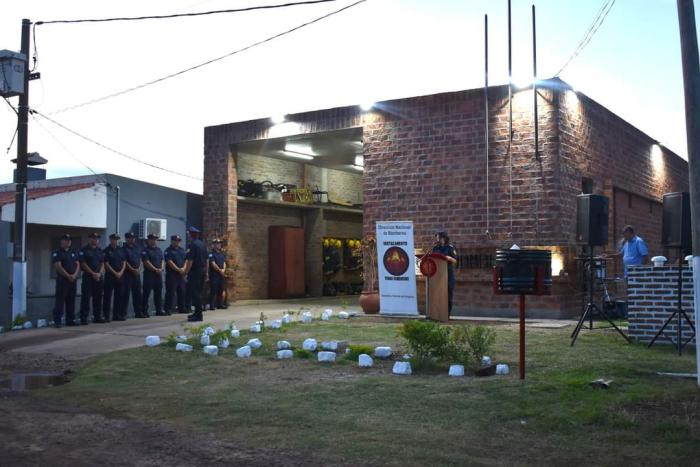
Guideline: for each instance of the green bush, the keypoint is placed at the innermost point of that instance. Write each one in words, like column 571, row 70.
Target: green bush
column 303, row 354
column 480, row 340
column 19, row 320
column 426, row 339
column 357, row 350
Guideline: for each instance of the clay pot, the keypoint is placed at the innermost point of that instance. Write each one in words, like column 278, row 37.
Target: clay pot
column 369, row 301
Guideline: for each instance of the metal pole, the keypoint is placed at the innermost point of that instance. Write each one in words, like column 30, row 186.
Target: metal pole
column 522, row 335
column 116, row 224
column 19, row 259
column 691, row 82
column 486, row 116
column 534, row 84
column 510, row 120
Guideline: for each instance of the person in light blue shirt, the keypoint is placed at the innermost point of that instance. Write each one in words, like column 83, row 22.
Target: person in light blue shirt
column 634, row 250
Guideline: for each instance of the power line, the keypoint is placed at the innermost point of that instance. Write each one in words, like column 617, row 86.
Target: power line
column 208, row 62
column 592, row 29
column 119, row 153
column 101, row 178
column 181, row 15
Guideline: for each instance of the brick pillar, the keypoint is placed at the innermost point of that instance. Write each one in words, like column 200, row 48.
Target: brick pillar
column 220, row 204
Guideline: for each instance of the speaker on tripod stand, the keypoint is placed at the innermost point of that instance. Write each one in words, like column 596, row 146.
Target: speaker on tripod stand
column 592, row 231
column 676, row 233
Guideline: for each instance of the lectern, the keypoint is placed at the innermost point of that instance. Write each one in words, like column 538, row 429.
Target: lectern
column 434, row 267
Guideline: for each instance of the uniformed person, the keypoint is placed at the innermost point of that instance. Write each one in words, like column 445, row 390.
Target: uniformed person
column 174, row 275
column 443, row 246
column 65, row 262
column 132, row 277
column 153, row 266
column 217, row 269
column 91, row 259
column 114, row 280
column 196, row 267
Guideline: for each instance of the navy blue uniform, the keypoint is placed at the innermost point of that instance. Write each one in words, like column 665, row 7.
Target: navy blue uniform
column 91, row 289
column 65, row 288
column 216, row 280
column 174, row 281
column 448, row 250
column 197, row 253
column 113, row 285
column 152, row 281
column 132, row 282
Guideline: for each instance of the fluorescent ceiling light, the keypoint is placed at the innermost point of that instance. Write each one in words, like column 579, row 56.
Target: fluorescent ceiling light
column 298, row 155
column 360, row 161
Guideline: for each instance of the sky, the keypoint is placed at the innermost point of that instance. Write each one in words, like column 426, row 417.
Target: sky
column 377, row 50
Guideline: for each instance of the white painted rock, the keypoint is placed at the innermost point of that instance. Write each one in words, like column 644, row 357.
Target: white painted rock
column 486, row 360
column 307, row 317
column 330, row 345
column 325, row 316
column 343, row 315
column 456, row 370
column 254, row 343
column 181, row 338
column 211, row 350
column 27, row 325
column 284, row 354
column 286, row 319
column 326, row 356
column 402, row 368
column 180, row 347
column 329, row 311
column 17, row 328
column 41, row 323
column 235, row 333
column 365, row 361
column 255, row 328
column 244, row 352
column 224, row 343
column 276, row 324
column 209, row 330
column 152, row 341
column 204, row 340
column 310, row 344
column 382, row 352
column 283, row 345
column 502, row 369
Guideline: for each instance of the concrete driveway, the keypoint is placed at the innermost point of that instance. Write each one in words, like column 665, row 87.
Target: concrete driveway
column 93, row 339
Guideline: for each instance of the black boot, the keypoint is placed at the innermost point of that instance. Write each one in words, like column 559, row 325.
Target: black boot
column 195, row 317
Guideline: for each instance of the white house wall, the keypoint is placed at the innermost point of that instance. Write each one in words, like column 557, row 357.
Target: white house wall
column 81, row 208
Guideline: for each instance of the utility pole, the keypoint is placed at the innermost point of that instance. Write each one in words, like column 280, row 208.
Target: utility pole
column 691, row 83
column 19, row 259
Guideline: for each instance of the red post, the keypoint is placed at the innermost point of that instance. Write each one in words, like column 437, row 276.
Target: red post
column 522, row 336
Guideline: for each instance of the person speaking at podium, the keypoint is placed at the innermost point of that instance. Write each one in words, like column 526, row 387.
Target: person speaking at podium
column 443, row 246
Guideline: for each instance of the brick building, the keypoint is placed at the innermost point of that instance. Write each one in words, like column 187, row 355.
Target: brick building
column 425, row 160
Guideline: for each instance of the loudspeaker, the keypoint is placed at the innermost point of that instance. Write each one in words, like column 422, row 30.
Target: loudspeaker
column 592, row 220
column 676, row 226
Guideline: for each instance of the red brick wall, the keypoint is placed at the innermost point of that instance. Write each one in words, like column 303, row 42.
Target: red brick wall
column 424, row 161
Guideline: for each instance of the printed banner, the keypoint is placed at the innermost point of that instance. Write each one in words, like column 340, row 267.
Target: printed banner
column 396, row 267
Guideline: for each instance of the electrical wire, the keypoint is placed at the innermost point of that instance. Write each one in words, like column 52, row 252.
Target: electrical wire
column 101, row 178
column 592, row 30
column 119, row 153
column 181, row 15
column 208, row 62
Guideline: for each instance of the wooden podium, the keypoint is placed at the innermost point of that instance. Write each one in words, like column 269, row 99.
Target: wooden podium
column 434, row 268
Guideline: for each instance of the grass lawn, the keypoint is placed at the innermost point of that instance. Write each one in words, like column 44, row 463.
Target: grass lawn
column 344, row 414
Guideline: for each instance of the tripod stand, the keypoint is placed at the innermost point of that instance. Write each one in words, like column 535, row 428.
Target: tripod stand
column 591, row 308
column 679, row 311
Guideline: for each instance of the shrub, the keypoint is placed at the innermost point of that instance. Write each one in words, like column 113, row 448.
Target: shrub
column 19, row 320
column 357, row 350
column 480, row 340
column 303, row 354
column 426, row 339
column 459, row 350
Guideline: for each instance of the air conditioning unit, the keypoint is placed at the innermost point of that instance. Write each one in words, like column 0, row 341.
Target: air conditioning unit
column 156, row 227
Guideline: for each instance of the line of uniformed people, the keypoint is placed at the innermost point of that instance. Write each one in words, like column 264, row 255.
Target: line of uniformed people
column 113, row 275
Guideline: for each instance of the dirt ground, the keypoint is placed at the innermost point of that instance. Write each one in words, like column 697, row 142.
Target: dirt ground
column 35, row 431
